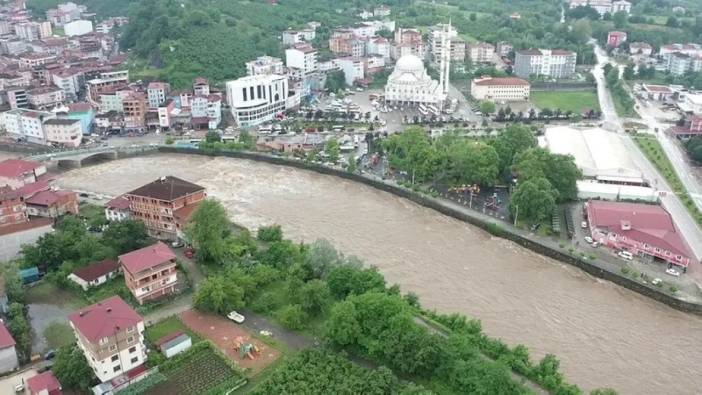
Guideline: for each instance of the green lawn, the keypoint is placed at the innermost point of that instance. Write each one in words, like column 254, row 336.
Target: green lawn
column 166, row 327
column 574, row 101
column 654, row 152
column 58, row 334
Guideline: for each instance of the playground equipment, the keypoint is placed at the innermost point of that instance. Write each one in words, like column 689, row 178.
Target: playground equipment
column 246, row 349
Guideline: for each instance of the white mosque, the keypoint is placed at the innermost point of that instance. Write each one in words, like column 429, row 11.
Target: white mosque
column 410, row 85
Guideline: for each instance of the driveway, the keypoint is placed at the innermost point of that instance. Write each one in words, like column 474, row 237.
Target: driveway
column 7, row 384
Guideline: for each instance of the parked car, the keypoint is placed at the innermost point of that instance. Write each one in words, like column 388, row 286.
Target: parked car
column 672, row 272
column 588, row 239
column 625, row 255
column 583, row 224
column 595, row 244
column 50, row 355
column 177, row 244
column 236, row 317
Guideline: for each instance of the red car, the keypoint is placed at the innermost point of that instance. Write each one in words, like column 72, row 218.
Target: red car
column 189, row 253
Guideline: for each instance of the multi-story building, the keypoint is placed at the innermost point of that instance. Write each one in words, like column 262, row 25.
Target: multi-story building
column 265, row 65
column 554, row 63
column 201, row 86
column 690, row 49
column 17, row 97
column 352, row 67
column 257, row 99
column 32, row 31
column 69, row 80
column 378, row 46
column 500, row 89
column 408, row 42
column 134, row 106
column 292, row 37
column 13, row 210
column 603, row 6
column 26, row 125
column 640, row 48
column 302, row 57
column 435, row 39
column 78, row 28
column 52, row 204
column 679, row 63
column 8, row 353
column 381, row 11
column 157, row 93
column 156, row 203
column 642, row 229
column 84, row 113
column 64, row 13
column 164, row 113
column 151, row 272
column 111, row 336
column 481, row 52
column 615, row 38
column 503, row 48
column 46, row 97
column 107, row 82
column 31, row 59
column 65, row 132
column 117, row 209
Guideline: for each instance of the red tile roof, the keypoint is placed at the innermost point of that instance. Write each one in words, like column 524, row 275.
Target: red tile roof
column 44, row 382
column 6, row 339
column 167, row 188
column 105, row 318
column 168, row 338
column 79, row 107
column 13, row 168
column 649, row 224
column 48, row 198
column 118, row 203
column 146, row 258
column 97, row 270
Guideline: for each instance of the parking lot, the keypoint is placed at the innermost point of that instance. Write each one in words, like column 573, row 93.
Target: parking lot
column 7, row 384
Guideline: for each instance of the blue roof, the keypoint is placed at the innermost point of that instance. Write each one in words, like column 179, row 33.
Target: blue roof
column 32, row 271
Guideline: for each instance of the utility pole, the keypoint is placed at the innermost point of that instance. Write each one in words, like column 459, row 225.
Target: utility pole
column 516, row 214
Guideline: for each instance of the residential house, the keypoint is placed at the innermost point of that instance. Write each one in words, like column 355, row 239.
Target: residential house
column 18, row 172
column 640, row 48
column 151, row 272
column 95, row 274
column 13, row 209
column 265, row 65
column 111, row 336
column 44, row 384
column 302, row 57
column 481, row 52
column 201, row 86
column 65, row 132
column 46, row 97
column 157, row 202
column 8, row 353
column 157, row 93
column 615, row 38
column 52, row 204
column 117, row 209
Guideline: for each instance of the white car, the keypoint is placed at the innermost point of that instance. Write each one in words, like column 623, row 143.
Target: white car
column 583, row 224
column 236, row 317
column 625, row 255
column 588, row 239
column 672, row 272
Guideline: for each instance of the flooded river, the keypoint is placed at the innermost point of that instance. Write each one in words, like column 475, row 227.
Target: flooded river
column 604, row 335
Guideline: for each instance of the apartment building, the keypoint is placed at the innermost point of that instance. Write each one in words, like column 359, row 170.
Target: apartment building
column 292, row 37
column 554, row 63
column 26, row 124
column 66, row 132
column 201, row 86
column 134, row 107
column 17, row 97
column 408, row 42
column 150, row 273
column 265, row 65
column 111, row 336
column 107, row 82
column 257, row 99
column 52, row 204
column 156, row 203
column 640, row 48
column 500, row 89
column 679, row 63
column 69, row 80
column 352, row 67
column 46, row 97
column 435, row 38
column 157, row 93
column 378, row 46
column 481, row 52
column 31, row 59
column 302, row 57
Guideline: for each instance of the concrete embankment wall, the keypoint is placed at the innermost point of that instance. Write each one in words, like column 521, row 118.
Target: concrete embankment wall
column 448, row 208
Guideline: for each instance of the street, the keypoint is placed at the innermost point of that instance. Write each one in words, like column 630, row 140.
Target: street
column 683, row 220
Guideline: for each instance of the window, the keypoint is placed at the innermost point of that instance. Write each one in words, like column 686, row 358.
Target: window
column 117, row 368
column 104, row 341
column 130, row 329
column 130, row 339
column 114, row 357
column 132, row 350
column 113, row 347
column 135, row 359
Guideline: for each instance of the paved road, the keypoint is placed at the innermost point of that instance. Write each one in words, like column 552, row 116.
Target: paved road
column 611, row 121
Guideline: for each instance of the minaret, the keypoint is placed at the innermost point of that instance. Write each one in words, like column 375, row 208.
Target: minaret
column 446, row 57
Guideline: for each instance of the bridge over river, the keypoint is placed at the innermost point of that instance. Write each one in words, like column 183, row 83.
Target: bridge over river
column 84, row 156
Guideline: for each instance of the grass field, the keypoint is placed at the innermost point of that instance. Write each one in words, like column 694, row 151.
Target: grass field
column 654, row 152
column 574, row 101
column 166, row 327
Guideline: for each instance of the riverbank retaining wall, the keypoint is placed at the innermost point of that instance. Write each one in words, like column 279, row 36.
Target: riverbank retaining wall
column 475, row 218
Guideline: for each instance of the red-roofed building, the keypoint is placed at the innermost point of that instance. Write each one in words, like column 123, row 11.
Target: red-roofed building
column 18, row 172
column 44, row 384
column 117, row 209
column 95, row 274
column 52, row 204
column 13, row 210
column 111, row 335
column 150, row 272
column 615, row 39
column 642, row 229
column 8, row 354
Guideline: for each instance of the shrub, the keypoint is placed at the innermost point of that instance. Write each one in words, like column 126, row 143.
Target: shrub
column 169, row 140
column 292, row 317
column 270, row 233
column 265, row 303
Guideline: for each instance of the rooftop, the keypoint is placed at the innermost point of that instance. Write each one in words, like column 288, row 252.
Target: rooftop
column 12, row 168
column 649, row 224
column 488, row 81
column 167, row 188
column 44, row 382
column 6, row 339
column 96, row 270
column 61, row 122
column 118, row 203
column 48, row 197
column 146, row 258
column 105, row 318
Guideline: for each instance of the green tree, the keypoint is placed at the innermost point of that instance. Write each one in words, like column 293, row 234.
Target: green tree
column 472, row 162
column 320, row 258
column 620, row 19
column 581, row 31
column 213, row 137
column 293, row 317
column 513, row 140
column 215, row 294
column 336, row 81
column 411, row 151
column 331, row 148
column 208, row 230
column 72, row 369
column 559, row 170
column 532, row 200
column 127, row 235
column 270, row 233
column 20, row 330
column 315, row 297
column 280, row 254
column 347, row 279
column 603, row 391
column 352, row 167
column 343, row 327
column 487, row 107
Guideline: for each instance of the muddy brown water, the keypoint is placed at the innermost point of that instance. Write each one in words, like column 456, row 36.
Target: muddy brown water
column 604, row 335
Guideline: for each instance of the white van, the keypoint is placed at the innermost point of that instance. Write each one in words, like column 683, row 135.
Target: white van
column 625, row 255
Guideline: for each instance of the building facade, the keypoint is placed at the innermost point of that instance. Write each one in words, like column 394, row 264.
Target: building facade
column 257, row 99
column 481, row 52
column 111, row 336
column 151, row 272
column 554, row 63
column 265, row 65
column 500, row 89
column 65, row 132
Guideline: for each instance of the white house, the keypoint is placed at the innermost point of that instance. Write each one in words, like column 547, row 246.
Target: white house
column 95, row 274
column 174, row 343
column 117, row 209
column 353, row 69
column 302, row 57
